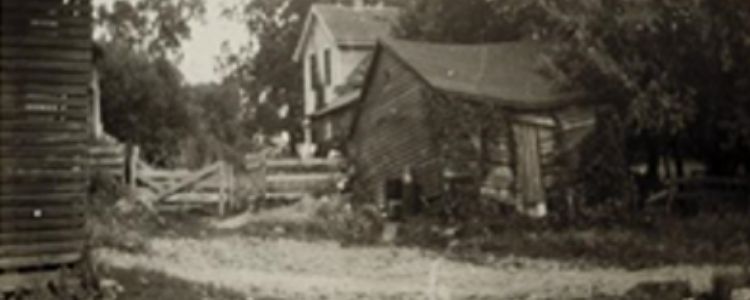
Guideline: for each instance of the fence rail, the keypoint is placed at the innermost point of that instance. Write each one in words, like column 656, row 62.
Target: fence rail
column 109, row 159
column 700, row 193
column 171, row 189
column 293, row 178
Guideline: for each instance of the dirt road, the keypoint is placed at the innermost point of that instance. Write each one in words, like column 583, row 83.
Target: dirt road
column 290, row 269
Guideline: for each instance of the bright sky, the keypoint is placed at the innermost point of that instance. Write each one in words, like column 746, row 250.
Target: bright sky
column 201, row 51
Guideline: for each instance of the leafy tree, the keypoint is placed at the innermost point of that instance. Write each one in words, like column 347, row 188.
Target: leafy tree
column 155, row 26
column 264, row 68
column 141, row 102
column 144, row 97
column 676, row 69
column 476, row 21
column 470, row 21
column 218, row 114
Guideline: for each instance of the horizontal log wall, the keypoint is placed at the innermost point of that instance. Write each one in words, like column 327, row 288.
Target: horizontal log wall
column 45, row 70
column 109, row 159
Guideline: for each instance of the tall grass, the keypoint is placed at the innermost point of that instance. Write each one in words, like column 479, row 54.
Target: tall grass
column 632, row 243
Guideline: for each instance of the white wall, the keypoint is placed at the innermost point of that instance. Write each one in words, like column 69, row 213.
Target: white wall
column 319, row 40
column 343, row 62
column 349, row 60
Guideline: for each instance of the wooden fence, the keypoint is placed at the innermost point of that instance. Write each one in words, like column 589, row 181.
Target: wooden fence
column 177, row 189
column 292, row 178
column 691, row 195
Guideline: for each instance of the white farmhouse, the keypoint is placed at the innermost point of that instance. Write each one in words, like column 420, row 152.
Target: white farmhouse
column 334, row 50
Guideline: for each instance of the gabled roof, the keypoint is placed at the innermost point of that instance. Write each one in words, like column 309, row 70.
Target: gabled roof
column 511, row 73
column 349, row 26
column 349, row 93
column 339, row 103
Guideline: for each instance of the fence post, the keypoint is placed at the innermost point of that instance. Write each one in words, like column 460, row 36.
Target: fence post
column 222, row 188
column 131, row 165
column 230, row 193
column 263, row 175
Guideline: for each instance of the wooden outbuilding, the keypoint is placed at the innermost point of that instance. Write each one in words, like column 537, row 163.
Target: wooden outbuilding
column 333, row 47
column 45, row 130
column 494, row 113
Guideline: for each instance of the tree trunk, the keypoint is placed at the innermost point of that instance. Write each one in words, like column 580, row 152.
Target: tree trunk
column 652, row 171
column 678, row 160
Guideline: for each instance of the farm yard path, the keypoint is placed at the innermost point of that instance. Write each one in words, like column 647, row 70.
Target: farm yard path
column 292, row 269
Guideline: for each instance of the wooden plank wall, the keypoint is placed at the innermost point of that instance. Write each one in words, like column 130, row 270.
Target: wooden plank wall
column 45, row 70
column 391, row 130
column 545, row 149
column 528, row 164
column 109, row 159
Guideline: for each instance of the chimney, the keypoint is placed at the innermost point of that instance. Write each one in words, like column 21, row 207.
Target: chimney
column 358, row 4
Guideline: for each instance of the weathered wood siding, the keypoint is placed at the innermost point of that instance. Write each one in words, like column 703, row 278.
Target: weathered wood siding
column 340, row 122
column 559, row 147
column 45, row 70
column 391, row 133
column 545, row 150
column 525, row 161
column 528, row 167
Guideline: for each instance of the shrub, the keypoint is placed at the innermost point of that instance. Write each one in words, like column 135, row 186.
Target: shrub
column 114, row 219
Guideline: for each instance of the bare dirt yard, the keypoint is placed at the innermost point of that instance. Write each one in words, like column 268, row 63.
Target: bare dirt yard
column 291, row 269
column 283, row 267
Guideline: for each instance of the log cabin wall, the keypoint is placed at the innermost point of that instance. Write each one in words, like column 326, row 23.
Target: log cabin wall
column 45, row 72
column 536, row 161
column 547, row 150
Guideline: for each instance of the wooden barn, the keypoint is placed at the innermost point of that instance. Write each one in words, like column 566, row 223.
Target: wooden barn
column 493, row 113
column 45, row 130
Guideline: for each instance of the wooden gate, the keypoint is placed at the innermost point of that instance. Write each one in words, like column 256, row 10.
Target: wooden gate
column 45, row 71
column 165, row 189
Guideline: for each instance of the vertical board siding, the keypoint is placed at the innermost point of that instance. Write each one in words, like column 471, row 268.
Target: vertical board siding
column 45, row 71
column 557, row 149
column 528, row 165
column 391, row 133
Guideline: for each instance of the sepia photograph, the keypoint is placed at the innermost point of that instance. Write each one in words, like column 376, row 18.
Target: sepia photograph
column 375, row 149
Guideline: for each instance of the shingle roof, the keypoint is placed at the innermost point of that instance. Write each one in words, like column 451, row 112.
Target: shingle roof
column 348, row 25
column 351, row 25
column 511, row 73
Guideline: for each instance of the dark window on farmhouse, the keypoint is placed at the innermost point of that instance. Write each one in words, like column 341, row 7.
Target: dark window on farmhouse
column 316, row 83
column 327, row 61
column 314, row 77
column 320, row 96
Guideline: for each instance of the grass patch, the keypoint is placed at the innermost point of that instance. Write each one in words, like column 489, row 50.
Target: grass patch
column 632, row 244
column 325, row 218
